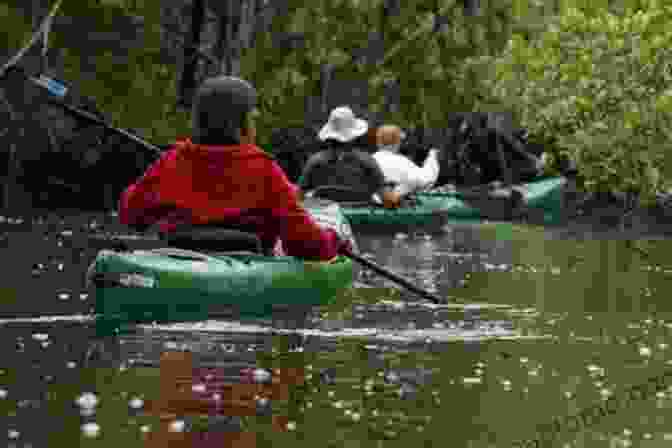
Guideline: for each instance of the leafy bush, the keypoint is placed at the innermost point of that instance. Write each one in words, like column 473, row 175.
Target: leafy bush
column 598, row 89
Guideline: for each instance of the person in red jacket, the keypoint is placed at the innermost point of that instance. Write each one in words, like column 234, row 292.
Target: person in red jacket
column 220, row 175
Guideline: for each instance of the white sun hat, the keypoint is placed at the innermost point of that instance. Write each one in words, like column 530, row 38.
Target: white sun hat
column 343, row 126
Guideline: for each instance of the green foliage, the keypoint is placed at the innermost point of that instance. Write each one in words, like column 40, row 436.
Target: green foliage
column 138, row 90
column 127, row 83
column 425, row 62
column 598, row 88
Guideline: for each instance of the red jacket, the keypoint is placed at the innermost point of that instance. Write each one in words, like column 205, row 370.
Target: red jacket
column 196, row 184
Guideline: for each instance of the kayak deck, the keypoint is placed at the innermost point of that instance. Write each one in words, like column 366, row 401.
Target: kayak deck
column 437, row 209
column 148, row 286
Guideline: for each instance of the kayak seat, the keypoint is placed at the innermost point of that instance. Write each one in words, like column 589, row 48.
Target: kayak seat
column 209, row 238
column 342, row 194
column 352, row 198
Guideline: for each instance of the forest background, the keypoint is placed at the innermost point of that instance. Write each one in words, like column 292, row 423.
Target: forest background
column 411, row 62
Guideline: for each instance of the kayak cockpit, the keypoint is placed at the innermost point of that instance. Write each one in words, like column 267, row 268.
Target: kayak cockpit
column 213, row 239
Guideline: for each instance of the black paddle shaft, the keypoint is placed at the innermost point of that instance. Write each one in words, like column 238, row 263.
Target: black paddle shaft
column 392, row 276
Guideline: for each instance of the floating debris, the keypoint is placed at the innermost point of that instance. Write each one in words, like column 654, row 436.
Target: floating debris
column 91, row 429
column 177, row 426
column 87, row 400
column 256, row 375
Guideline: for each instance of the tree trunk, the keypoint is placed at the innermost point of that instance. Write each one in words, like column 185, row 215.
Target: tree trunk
column 325, row 81
column 188, row 79
column 229, row 37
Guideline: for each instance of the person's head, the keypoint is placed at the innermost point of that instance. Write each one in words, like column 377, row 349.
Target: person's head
column 224, row 111
column 390, row 137
column 343, row 126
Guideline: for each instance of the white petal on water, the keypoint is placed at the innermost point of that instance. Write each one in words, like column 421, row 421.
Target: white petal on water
column 476, row 380
column 645, row 351
column 40, row 336
column 177, row 426
column 91, row 429
column 136, row 403
column 13, row 434
column 87, row 400
column 261, row 375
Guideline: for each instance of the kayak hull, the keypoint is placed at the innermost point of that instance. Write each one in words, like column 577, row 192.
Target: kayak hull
column 542, row 203
column 153, row 286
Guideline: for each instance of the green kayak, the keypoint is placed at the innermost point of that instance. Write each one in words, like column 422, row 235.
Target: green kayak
column 541, row 199
column 171, row 284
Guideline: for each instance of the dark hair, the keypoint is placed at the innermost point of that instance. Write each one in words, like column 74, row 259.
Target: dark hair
column 221, row 109
column 226, row 131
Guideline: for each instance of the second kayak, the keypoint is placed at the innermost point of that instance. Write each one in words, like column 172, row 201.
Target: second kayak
column 542, row 197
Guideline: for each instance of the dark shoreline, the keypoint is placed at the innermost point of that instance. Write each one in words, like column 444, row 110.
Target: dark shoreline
column 585, row 217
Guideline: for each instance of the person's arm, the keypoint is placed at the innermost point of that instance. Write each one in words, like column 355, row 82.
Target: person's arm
column 140, row 205
column 385, row 192
column 429, row 173
column 301, row 236
column 305, row 182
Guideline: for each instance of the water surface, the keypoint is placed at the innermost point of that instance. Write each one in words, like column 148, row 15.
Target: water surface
column 537, row 327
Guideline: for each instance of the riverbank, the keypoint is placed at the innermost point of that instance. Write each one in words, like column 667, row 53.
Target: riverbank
column 604, row 216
